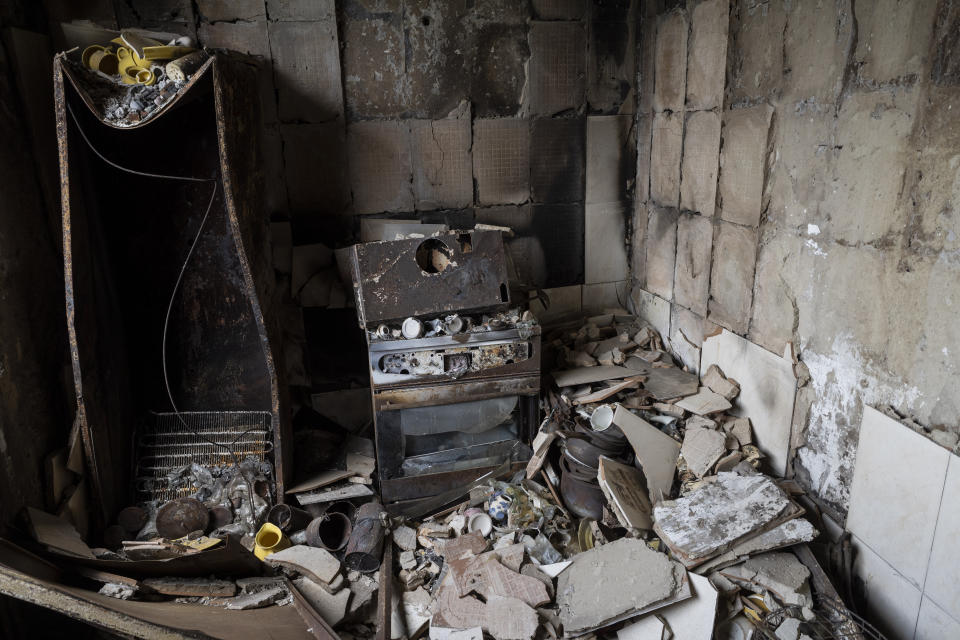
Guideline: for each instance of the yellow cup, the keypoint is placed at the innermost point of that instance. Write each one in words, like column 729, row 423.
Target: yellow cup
column 270, row 540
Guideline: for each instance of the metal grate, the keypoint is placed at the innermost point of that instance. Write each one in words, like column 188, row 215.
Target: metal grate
column 165, row 444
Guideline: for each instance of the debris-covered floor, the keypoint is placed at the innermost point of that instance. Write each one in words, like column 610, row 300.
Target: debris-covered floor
column 643, row 513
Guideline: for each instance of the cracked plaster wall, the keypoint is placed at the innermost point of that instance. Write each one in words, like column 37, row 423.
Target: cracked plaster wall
column 849, row 246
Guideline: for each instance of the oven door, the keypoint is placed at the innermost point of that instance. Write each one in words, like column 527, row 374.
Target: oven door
column 433, row 439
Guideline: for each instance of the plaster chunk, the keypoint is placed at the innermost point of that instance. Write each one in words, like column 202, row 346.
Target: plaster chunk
column 611, row 581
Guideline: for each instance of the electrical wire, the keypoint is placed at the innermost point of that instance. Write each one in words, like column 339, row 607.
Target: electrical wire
column 173, row 295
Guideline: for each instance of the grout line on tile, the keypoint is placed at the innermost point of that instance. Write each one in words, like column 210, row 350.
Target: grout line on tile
column 933, row 539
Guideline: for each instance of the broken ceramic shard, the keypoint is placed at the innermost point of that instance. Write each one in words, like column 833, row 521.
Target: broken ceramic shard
column 714, row 380
column 702, row 448
column 318, row 564
column 704, row 402
column 656, row 451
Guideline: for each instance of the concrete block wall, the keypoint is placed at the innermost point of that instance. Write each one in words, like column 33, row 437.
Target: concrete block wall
column 823, row 213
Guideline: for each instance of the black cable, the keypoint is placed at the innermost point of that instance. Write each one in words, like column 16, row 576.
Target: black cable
column 173, row 295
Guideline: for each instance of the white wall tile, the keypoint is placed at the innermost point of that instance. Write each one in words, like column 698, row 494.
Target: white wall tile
column 892, row 601
column 943, row 573
column 934, row 623
column 895, row 494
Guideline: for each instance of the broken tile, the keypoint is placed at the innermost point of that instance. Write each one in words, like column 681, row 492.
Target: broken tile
column 405, row 538
column 704, row 402
column 486, row 576
column 317, row 564
column 661, row 255
column 501, row 160
column 416, row 613
column 331, row 607
column 742, row 163
column 782, row 573
column 666, row 152
column 625, row 488
column 701, row 154
column 306, row 66
column 691, row 619
column 557, row 159
column 610, row 159
column 767, row 391
column 605, row 252
column 702, row 448
column 468, row 544
column 691, row 282
column 646, row 628
column 670, row 60
column 759, row 505
column 706, row 63
column 557, row 64
column 510, row 619
column 714, row 380
column 656, row 451
column 731, row 276
column 453, row 612
column 789, row 533
column 378, row 157
column 442, row 167
column 588, row 375
column 635, row 579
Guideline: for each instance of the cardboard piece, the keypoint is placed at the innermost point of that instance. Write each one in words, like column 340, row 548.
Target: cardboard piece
column 656, row 451
column 768, row 389
column 626, row 491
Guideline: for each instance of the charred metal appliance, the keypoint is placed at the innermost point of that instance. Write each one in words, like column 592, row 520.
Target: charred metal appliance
column 454, row 373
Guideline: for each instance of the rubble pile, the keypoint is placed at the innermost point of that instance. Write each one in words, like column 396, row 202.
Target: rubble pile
column 643, row 512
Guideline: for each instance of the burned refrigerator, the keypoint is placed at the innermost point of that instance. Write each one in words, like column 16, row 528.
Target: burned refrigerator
column 454, row 370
